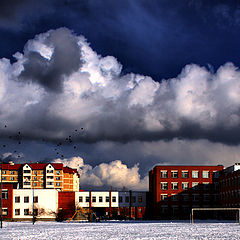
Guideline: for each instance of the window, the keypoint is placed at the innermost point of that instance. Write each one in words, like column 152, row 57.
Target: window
column 134, row 199
column 120, row 199
column 58, row 178
column 139, row 198
column 49, row 177
column 35, row 172
column 49, row 183
column 3, row 178
column 195, row 174
column 174, row 197
column 185, row 185
column 185, row 174
column 42, row 184
column 205, row 174
column 94, row 199
column 164, row 186
column 26, row 171
column 41, row 172
column 164, row 174
column 26, row 199
column 206, row 186
column 35, row 212
column 87, row 199
column 4, row 211
column 185, row 197
column 26, row 211
column 35, row 199
column 114, row 199
column 174, row 185
column 80, row 199
column 17, row 199
column 4, row 194
column 12, row 172
column 195, row 197
column 206, row 197
column 41, row 178
column 126, row 199
column 107, row 199
column 164, row 197
column 34, row 184
column 27, row 183
column 58, row 172
column 58, row 184
column 4, row 172
column 215, row 174
column 17, row 212
column 100, row 199
column 49, row 171
column 11, row 178
column 195, row 185
column 174, row 174
column 34, row 178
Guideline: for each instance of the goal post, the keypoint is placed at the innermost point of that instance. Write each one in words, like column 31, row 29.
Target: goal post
column 214, row 209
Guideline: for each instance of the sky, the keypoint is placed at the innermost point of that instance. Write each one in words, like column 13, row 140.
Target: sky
column 114, row 88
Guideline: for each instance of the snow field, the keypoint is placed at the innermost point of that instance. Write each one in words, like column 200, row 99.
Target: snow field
column 119, row 230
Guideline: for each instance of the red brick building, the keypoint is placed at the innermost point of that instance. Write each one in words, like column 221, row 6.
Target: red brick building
column 229, row 182
column 174, row 190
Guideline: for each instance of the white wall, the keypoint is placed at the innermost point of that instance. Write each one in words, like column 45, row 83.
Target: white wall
column 96, row 194
column 47, row 200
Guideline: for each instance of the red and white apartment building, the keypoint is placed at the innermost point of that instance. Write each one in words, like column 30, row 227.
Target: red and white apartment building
column 44, row 190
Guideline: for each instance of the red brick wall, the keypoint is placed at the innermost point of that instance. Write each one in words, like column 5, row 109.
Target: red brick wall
column 66, row 203
column 155, row 184
column 8, row 203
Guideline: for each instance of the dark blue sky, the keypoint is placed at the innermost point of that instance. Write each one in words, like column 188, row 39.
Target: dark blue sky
column 155, row 38
column 190, row 119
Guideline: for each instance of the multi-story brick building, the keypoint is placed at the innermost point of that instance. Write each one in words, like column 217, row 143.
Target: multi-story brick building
column 174, row 190
column 41, row 176
column 229, row 182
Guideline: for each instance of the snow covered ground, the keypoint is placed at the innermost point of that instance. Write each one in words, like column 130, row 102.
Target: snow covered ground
column 120, row 230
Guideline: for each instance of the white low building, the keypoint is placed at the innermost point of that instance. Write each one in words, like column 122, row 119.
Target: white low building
column 96, row 199
column 45, row 203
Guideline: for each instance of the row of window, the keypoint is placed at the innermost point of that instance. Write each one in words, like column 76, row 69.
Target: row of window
column 26, row 212
column 185, row 174
column 100, row 199
column 94, row 199
column 185, row 185
column 48, row 177
column 26, row 199
column 186, row 197
column 42, row 184
column 35, row 172
column 11, row 172
column 11, row 178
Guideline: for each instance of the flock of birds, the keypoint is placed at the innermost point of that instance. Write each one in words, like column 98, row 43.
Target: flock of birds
column 18, row 138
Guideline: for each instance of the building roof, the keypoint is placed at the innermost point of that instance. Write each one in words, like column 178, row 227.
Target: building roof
column 7, row 166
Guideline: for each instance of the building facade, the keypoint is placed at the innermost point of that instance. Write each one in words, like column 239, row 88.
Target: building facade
column 40, row 176
column 229, row 182
column 175, row 190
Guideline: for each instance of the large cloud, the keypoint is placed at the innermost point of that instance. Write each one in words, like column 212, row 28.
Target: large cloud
column 115, row 174
column 59, row 84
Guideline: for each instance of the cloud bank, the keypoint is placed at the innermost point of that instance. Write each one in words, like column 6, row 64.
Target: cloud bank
column 115, row 175
column 59, row 84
